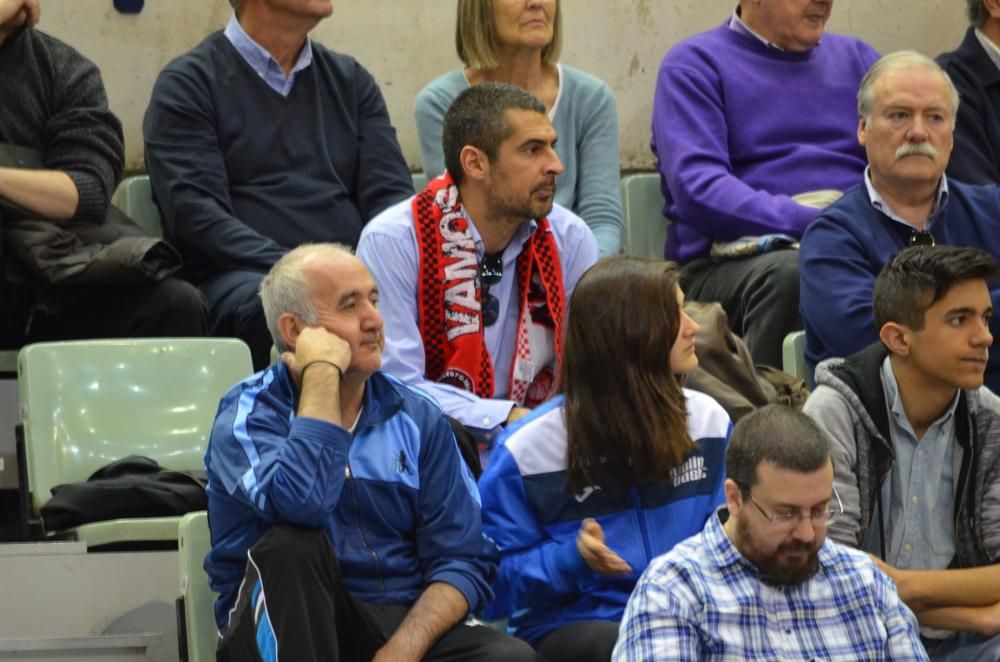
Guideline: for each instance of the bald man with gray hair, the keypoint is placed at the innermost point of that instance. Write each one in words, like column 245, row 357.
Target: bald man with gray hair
column 345, row 525
column 907, row 110
column 975, row 68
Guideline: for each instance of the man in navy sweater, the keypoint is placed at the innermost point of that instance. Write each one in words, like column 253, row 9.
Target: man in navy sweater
column 974, row 67
column 261, row 139
column 907, row 107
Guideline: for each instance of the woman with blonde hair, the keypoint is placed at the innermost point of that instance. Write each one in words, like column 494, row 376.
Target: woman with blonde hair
column 518, row 42
column 585, row 491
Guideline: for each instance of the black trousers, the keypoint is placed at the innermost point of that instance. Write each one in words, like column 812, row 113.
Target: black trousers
column 586, row 641
column 760, row 295
column 235, row 311
column 170, row 308
column 292, row 605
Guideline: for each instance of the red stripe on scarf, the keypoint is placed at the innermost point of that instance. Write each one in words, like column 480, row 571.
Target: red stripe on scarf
column 444, row 305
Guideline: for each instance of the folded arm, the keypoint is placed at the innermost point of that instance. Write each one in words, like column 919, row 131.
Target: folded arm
column 49, row 193
column 966, row 599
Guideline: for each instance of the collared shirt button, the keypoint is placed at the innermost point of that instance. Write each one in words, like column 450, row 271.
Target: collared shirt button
column 908, row 547
column 913, row 498
column 486, row 421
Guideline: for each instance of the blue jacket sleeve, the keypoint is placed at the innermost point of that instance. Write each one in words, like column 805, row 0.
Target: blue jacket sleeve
column 534, row 568
column 383, row 176
column 450, row 540
column 835, row 284
column 188, row 173
column 284, row 471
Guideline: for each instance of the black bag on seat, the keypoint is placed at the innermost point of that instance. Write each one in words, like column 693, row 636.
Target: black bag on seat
column 133, row 486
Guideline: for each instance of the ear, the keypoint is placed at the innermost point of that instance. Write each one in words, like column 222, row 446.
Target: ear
column 862, row 131
column 734, row 496
column 289, row 326
column 896, row 337
column 992, row 8
column 474, row 162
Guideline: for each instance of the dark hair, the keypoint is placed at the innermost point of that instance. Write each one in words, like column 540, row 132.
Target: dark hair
column 778, row 434
column 478, row 117
column 977, row 12
column 918, row 277
column 625, row 413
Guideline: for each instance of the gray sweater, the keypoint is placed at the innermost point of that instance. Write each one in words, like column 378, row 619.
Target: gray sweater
column 849, row 405
column 53, row 101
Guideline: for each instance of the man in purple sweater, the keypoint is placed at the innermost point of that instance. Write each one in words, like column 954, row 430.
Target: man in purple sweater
column 754, row 127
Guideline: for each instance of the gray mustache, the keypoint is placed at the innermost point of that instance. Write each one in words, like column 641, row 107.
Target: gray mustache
column 916, row 149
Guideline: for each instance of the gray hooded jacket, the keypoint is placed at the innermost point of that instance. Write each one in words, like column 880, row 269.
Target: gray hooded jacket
column 849, row 405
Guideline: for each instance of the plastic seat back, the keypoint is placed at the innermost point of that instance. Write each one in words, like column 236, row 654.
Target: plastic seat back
column 419, row 181
column 135, row 197
column 793, row 355
column 200, row 633
column 86, row 404
column 645, row 225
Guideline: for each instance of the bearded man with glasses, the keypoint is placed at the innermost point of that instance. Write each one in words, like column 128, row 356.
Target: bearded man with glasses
column 476, row 270
column 763, row 581
column 907, row 108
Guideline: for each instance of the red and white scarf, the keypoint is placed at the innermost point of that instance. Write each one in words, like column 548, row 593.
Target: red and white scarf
column 450, row 302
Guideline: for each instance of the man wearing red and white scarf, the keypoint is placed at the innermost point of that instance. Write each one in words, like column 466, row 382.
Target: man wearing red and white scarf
column 476, row 270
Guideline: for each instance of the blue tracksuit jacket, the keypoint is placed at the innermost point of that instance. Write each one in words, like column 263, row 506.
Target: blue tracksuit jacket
column 543, row 582
column 395, row 497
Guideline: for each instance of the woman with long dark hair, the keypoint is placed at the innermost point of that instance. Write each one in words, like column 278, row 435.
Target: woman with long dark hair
column 623, row 464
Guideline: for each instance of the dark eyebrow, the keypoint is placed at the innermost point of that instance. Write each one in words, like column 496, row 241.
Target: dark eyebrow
column 966, row 310
column 347, row 296
column 795, row 506
column 354, row 294
column 535, row 142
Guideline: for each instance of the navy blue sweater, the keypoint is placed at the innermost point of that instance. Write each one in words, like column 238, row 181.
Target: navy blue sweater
column 242, row 174
column 844, row 249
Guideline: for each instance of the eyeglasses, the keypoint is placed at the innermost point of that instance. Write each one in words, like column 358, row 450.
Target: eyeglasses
column 490, row 273
column 792, row 518
column 921, row 238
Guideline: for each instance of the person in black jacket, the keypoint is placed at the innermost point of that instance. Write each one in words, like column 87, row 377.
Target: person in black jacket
column 974, row 67
column 54, row 108
column 259, row 140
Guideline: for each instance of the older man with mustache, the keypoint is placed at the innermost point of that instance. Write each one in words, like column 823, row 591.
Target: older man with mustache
column 907, row 107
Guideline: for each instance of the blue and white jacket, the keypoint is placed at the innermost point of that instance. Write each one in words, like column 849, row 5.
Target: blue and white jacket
column 395, row 497
column 544, row 583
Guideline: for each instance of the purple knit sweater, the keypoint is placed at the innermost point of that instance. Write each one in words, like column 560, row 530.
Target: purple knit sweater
column 739, row 127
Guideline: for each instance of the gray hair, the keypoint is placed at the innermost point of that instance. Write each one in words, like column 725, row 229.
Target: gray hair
column 777, row 434
column 899, row 60
column 977, row 12
column 285, row 288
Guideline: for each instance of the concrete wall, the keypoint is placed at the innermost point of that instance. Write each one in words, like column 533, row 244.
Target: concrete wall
column 406, row 43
